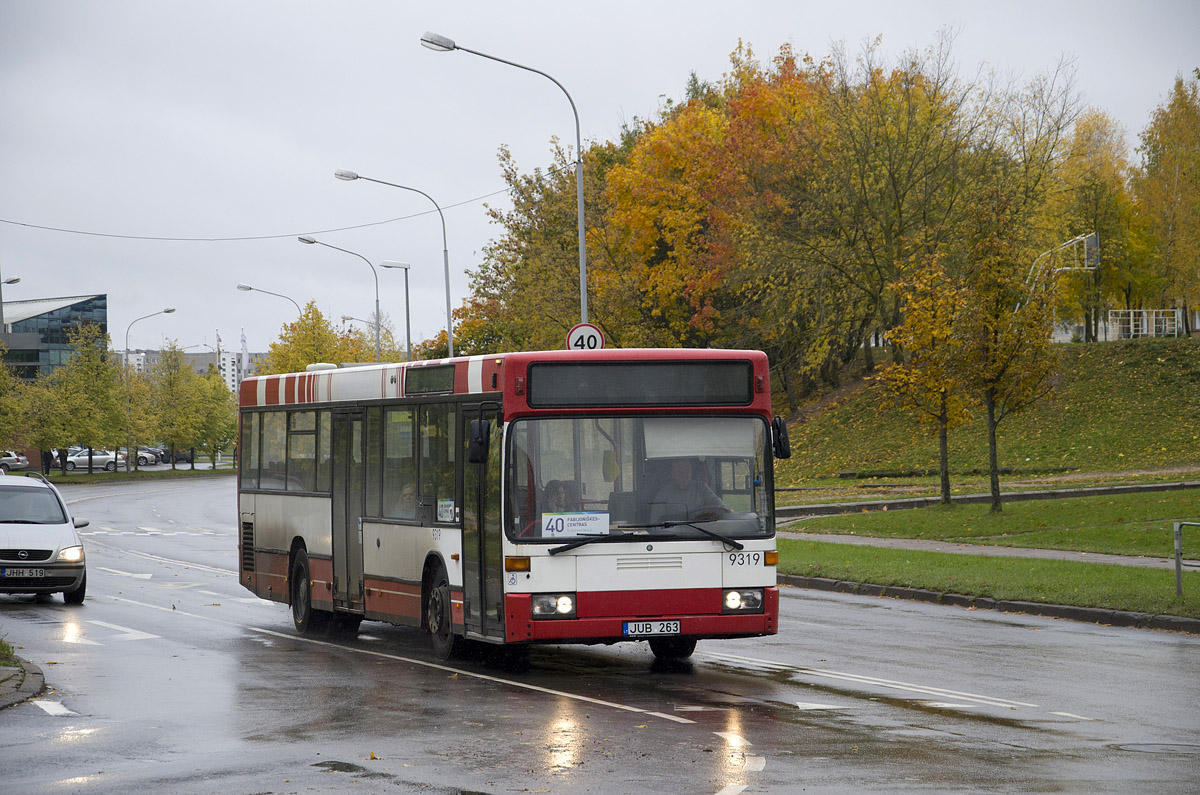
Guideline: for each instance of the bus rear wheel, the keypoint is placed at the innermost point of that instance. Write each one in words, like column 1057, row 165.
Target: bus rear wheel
column 672, row 648
column 437, row 618
column 308, row 620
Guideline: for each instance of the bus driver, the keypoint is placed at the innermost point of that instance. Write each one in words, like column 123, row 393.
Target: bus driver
column 681, row 498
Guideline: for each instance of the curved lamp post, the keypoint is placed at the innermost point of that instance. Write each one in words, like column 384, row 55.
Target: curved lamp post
column 129, row 453
column 313, row 241
column 350, row 176
column 247, row 288
column 12, row 280
column 439, row 43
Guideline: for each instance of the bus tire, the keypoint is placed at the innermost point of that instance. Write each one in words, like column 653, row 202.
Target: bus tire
column 672, row 648
column 308, row 620
column 437, row 617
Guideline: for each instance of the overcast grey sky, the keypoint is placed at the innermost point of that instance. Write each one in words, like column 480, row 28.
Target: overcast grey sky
column 226, row 119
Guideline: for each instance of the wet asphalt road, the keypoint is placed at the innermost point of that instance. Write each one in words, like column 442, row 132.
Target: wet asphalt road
column 171, row 678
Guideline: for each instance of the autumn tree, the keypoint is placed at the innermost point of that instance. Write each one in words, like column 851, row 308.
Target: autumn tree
column 90, row 391
column 1095, row 198
column 177, row 400
column 928, row 382
column 10, row 403
column 216, row 428
column 1169, row 189
column 310, row 339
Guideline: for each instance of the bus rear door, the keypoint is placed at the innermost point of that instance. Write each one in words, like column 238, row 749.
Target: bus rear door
column 348, row 508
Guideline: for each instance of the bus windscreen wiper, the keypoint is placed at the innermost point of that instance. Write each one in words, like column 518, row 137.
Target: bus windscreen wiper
column 707, row 532
column 662, row 525
column 596, row 540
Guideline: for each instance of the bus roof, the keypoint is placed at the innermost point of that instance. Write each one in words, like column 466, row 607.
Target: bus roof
column 488, row 374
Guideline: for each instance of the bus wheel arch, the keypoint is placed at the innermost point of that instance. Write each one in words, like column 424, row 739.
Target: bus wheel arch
column 436, row 613
column 308, row 620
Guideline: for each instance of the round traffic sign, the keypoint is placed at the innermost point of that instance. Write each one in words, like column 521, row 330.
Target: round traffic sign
column 585, row 337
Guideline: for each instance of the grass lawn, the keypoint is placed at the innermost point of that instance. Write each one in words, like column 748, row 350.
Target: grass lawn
column 1122, row 524
column 1046, row 581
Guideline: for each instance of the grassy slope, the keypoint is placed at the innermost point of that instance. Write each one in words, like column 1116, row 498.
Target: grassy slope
column 1116, row 405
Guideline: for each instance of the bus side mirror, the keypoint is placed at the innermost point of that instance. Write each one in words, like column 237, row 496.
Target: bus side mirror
column 779, row 438
column 477, row 441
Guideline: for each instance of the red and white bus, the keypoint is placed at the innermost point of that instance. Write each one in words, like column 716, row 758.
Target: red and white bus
column 519, row 498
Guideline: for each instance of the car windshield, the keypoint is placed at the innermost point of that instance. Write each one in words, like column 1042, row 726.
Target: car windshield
column 30, row 506
column 672, row 477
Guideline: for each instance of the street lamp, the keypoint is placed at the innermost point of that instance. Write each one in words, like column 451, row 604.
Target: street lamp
column 129, row 395
column 443, row 44
column 350, row 176
column 389, row 263
column 11, row 280
column 247, row 288
column 312, row 240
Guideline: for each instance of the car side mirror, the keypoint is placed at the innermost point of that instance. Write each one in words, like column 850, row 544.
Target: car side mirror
column 80, row 523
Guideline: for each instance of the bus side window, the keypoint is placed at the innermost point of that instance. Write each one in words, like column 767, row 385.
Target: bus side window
column 399, row 465
column 437, row 436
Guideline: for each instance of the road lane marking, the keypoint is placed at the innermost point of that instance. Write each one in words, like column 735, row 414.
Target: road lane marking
column 755, row 764
column 120, row 573
column 807, row 706
column 872, row 681
column 411, row 661
column 54, row 708
column 184, row 563
column 732, row 789
column 126, row 632
column 1072, row 715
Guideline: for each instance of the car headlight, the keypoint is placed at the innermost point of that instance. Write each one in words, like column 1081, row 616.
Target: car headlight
column 553, row 605
column 71, row 554
column 743, row 600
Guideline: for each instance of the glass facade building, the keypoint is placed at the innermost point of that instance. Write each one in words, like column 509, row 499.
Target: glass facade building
column 37, row 331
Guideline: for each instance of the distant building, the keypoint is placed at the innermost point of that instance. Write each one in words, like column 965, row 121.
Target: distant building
column 35, row 332
column 228, row 363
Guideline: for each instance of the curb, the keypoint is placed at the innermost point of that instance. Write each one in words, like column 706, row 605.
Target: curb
column 1091, row 615
column 901, row 503
column 31, row 683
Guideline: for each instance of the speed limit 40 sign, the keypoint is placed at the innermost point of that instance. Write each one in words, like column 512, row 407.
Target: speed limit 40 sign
column 585, row 337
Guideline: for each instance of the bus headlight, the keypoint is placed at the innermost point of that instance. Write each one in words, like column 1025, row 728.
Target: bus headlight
column 71, row 554
column 553, row 605
column 743, row 600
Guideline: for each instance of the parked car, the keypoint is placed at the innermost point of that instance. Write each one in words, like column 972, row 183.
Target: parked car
column 145, row 456
column 11, row 461
column 101, row 459
column 178, row 456
column 40, row 548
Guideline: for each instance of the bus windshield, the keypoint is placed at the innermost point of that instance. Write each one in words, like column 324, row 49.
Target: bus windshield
column 678, row 477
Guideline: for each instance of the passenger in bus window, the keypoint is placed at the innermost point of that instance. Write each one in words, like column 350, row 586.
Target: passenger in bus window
column 407, row 506
column 554, row 499
column 683, row 498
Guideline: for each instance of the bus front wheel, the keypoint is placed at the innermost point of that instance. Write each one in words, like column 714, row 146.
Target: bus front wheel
column 308, row 620
column 672, row 648
column 437, row 618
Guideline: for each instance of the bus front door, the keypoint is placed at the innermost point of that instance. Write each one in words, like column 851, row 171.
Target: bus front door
column 483, row 566
column 348, row 508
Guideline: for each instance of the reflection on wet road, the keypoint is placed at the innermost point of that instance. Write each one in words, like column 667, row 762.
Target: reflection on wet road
column 171, row 678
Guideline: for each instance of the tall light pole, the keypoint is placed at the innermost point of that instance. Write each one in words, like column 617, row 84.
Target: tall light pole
column 247, row 288
column 443, row 44
column 312, row 240
column 350, row 176
column 129, row 452
column 11, row 280
column 390, row 263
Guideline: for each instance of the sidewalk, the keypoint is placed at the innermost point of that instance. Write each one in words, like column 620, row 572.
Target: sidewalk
column 1120, row 618
column 18, row 683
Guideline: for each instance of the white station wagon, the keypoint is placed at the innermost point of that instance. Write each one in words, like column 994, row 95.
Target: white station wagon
column 40, row 550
